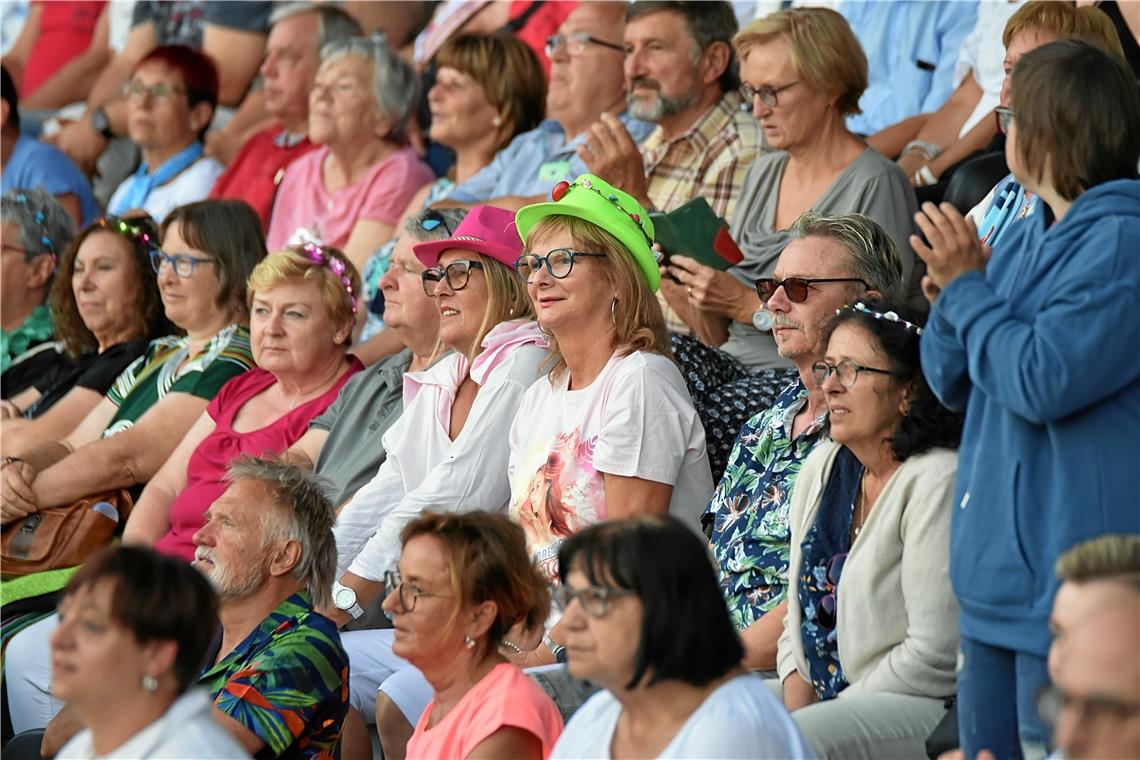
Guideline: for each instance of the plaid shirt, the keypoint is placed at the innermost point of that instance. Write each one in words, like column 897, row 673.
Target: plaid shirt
column 709, row 160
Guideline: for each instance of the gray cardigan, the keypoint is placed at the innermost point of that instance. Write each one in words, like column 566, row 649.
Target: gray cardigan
column 897, row 616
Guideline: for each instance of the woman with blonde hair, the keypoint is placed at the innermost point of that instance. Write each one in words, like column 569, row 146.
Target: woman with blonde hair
column 449, row 448
column 614, row 407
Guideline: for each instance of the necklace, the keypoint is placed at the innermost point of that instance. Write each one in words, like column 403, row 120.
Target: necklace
column 862, row 503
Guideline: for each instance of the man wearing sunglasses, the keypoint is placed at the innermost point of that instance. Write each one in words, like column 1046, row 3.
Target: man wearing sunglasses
column 830, row 262
column 586, row 57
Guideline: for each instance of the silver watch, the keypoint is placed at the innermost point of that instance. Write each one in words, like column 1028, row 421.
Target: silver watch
column 344, row 599
column 762, row 320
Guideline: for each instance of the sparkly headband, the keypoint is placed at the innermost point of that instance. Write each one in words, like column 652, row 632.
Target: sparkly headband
column 317, row 254
column 136, row 233
column 41, row 220
column 889, row 316
column 561, row 188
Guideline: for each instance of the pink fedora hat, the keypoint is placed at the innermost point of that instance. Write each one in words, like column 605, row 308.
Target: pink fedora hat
column 487, row 230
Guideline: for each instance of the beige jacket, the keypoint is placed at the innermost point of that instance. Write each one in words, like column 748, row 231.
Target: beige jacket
column 897, row 616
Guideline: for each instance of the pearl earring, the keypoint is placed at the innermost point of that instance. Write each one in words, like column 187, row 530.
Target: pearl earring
column 150, row 683
column 468, row 642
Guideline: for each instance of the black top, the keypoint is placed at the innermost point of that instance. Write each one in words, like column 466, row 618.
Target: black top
column 96, row 372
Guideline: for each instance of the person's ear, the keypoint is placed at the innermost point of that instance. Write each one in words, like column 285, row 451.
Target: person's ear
column 871, row 295
column 40, row 270
column 285, row 558
column 482, row 617
column 907, row 399
column 5, row 109
column 714, row 61
column 159, row 657
column 200, row 116
column 384, row 127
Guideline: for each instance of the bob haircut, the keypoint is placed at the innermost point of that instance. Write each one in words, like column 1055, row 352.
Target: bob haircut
column 296, row 264
column 509, row 74
column 197, row 71
column 685, row 634
column 926, row 424
column 1054, row 90
column 230, row 231
column 639, row 324
column 487, row 557
column 149, row 321
column 826, row 54
column 156, row 598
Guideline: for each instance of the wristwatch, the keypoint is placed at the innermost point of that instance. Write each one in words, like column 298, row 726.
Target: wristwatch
column 344, row 599
column 762, row 320
column 100, row 123
column 557, row 650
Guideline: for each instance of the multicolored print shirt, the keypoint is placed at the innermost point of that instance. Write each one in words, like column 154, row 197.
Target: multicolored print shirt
column 750, row 531
column 287, row 682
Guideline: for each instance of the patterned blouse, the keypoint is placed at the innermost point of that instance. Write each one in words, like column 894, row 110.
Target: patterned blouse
column 36, row 329
column 287, row 682
column 750, row 532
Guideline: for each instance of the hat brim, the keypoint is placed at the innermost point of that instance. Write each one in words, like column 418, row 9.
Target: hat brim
column 429, row 253
column 633, row 242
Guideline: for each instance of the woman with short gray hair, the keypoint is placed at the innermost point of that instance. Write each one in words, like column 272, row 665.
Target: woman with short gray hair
column 35, row 231
column 351, row 192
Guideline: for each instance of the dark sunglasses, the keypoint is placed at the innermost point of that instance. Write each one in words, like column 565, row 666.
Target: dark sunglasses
column 796, row 288
column 433, row 220
column 1004, row 116
column 825, row 611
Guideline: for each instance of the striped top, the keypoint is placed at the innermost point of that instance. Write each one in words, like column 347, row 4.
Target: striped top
column 160, row 370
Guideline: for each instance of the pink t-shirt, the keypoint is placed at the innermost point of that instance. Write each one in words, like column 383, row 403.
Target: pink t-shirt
column 382, row 196
column 504, row 697
column 208, row 463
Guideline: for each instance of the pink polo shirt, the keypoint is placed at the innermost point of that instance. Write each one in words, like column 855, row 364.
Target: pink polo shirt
column 382, row 195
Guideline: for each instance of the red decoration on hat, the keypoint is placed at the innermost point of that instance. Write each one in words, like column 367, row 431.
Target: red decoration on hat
column 559, row 190
column 635, row 218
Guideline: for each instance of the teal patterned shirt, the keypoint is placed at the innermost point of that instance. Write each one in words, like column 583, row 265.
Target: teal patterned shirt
column 287, row 682
column 751, row 538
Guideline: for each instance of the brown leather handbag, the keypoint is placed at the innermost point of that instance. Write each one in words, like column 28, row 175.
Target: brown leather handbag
column 58, row 537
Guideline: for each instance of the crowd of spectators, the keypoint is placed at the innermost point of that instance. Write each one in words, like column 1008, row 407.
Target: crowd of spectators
column 352, row 324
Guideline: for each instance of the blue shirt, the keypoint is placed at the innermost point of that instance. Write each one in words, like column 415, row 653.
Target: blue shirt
column 534, row 162
column 912, row 47
column 35, row 164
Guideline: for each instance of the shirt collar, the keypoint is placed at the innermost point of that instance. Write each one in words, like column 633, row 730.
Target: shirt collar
column 713, row 120
column 286, row 615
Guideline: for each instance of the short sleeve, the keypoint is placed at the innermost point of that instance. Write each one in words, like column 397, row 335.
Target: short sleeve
column 285, row 688
column 242, row 15
column 101, row 375
column 647, row 423
column 142, row 13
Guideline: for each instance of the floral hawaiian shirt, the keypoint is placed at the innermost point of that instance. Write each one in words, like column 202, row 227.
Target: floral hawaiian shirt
column 287, row 682
column 750, row 531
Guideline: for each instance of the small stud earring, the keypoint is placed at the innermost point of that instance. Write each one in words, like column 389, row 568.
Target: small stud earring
column 468, row 642
column 497, row 121
column 150, row 683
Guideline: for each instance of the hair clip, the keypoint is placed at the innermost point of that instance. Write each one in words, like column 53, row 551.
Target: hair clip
column 889, row 316
column 562, row 187
column 41, row 220
column 317, row 254
column 136, row 233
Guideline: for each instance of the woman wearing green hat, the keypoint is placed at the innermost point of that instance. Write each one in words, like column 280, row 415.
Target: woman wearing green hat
column 612, row 431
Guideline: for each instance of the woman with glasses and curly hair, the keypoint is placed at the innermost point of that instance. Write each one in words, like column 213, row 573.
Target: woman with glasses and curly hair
column 644, row 619
column 866, row 657
column 106, row 308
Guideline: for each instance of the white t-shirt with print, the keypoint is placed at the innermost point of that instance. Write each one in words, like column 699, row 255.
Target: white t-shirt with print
column 635, row 420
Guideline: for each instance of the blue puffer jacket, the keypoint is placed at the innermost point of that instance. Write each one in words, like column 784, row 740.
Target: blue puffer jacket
column 1043, row 351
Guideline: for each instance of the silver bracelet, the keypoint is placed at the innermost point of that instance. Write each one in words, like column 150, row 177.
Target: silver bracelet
column 511, row 646
column 928, row 149
column 924, row 177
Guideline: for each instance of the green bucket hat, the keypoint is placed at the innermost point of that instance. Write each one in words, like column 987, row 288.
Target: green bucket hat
column 599, row 202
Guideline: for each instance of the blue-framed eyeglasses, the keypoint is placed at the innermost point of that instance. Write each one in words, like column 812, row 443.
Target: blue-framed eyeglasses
column 183, row 264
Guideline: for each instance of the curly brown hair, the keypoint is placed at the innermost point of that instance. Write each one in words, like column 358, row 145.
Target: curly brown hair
column 150, row 321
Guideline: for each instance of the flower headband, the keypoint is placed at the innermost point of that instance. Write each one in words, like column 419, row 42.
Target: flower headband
column 889, row 316
column 41, row 220
column 321, row 256
column 136, row 233
column 561, row 188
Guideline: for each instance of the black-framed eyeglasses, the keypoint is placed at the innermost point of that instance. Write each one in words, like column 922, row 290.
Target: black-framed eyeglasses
column 433, row 220
column 1004, row 116
column 769, row 96
column 457, row 274
column 846, row 371
column 825, row 611
column 183, row 264
column 158, row 90
column 559, row 262
column 595, row 600
column 1051, row 701
column 576, row 43
column 408, row 594
column 796, row 288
